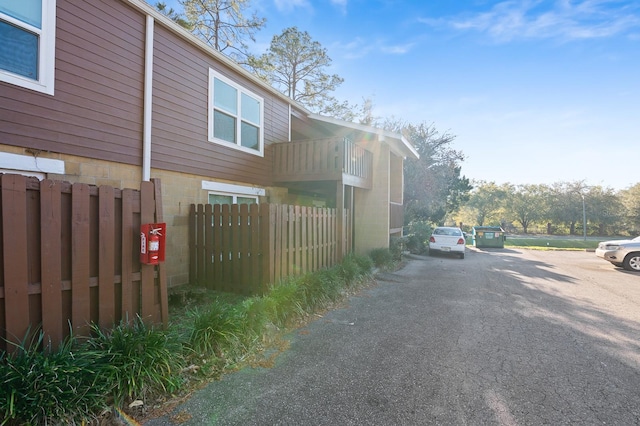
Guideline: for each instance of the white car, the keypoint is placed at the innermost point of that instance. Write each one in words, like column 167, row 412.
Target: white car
column 625, row 253
column 446, row 239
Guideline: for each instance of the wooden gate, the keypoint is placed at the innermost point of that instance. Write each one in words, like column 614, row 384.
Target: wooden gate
column 244, row 248
column 70, row 257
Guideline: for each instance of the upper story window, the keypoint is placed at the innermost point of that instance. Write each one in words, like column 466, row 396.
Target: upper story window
column 235, row 115
column 27, row 43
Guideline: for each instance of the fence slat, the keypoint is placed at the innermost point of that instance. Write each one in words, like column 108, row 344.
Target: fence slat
column 200, row 245
column 208, row 246
column 290, row 242
column 193, row 245
column 14, row 227
column 244, row 249
column 226, row 248
column 80, row 260
column 218, row 252
column 268, row 215
column 304, row 247
column 51, row 255
column 128, row 232
column 106, row 260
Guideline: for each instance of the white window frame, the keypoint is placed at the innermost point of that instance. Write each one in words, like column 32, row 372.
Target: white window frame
column 240, row 91
column 233, row 190
column 46, row 51
column 28, row 165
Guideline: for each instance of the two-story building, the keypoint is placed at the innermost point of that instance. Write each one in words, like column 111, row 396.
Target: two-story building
column 111, row 92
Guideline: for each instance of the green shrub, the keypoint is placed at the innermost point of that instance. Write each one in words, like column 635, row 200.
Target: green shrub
column 284, row 301
column 418, row 237
column 365, row 263
column 382, row 258
column 396, row 247
column 256, row 318
column 349, row 270
column 41, row 385
column 217, row 329
column 139, row 359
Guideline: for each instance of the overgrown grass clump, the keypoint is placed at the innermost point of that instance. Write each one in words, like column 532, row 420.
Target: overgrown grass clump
column 42, row 385
column 79, row 381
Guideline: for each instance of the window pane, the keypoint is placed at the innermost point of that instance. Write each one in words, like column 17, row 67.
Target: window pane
column 246, row 200
column 29, row 11
column 225, row 97
column 249, row 137
column 18, row 51
column 250, row 109
column 224, row 127
column 220, row 199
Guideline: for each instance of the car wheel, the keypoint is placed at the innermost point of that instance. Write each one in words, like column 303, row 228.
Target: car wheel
column 461, row 255
column 632, row 262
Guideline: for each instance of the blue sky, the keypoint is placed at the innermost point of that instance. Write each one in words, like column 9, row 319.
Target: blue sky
column 537, row 91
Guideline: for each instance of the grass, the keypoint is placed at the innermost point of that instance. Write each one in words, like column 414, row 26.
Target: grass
column 551, row 243
column 43, row 385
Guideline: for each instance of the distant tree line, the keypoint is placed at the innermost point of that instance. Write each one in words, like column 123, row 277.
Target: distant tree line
column 560, row 208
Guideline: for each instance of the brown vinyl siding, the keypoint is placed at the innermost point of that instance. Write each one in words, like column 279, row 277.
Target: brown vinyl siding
column 180, row 114
column 97, row 107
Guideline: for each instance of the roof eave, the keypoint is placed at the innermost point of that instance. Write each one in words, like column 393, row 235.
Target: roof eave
column 398, row 143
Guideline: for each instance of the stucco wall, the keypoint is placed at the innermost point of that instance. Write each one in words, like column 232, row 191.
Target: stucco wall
column 371, row 222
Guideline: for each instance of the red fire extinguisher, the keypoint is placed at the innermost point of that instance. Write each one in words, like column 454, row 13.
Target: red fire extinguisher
column 154, row 246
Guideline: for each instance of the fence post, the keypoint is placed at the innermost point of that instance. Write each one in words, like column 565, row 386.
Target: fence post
column 147, row 272
column 162, row 270
column 51, row 259
column 16, row 275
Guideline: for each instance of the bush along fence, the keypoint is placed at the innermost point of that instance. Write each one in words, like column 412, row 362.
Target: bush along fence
column 70, row 258
column 244, row 248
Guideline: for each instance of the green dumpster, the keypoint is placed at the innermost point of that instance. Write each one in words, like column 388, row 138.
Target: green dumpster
column 488, row 236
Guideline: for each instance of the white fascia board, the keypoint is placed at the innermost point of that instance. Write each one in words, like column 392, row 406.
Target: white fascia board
column 233, row 188
column 29, row 163
column 398, row 143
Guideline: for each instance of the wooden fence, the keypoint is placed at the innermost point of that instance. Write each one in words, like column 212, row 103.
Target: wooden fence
column 244, row 248
column 70, row 257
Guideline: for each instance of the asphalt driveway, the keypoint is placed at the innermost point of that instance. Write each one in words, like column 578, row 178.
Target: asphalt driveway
column 503, row 337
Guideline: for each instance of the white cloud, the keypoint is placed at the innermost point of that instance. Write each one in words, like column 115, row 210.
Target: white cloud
column 341, row 5
column 289, row 5
column 399, row 49
column 537, row 19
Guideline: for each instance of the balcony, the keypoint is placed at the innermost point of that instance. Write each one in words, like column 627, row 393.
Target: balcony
column 323, row 160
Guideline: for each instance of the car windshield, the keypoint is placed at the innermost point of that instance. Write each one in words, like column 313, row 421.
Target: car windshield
column 447, row 231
